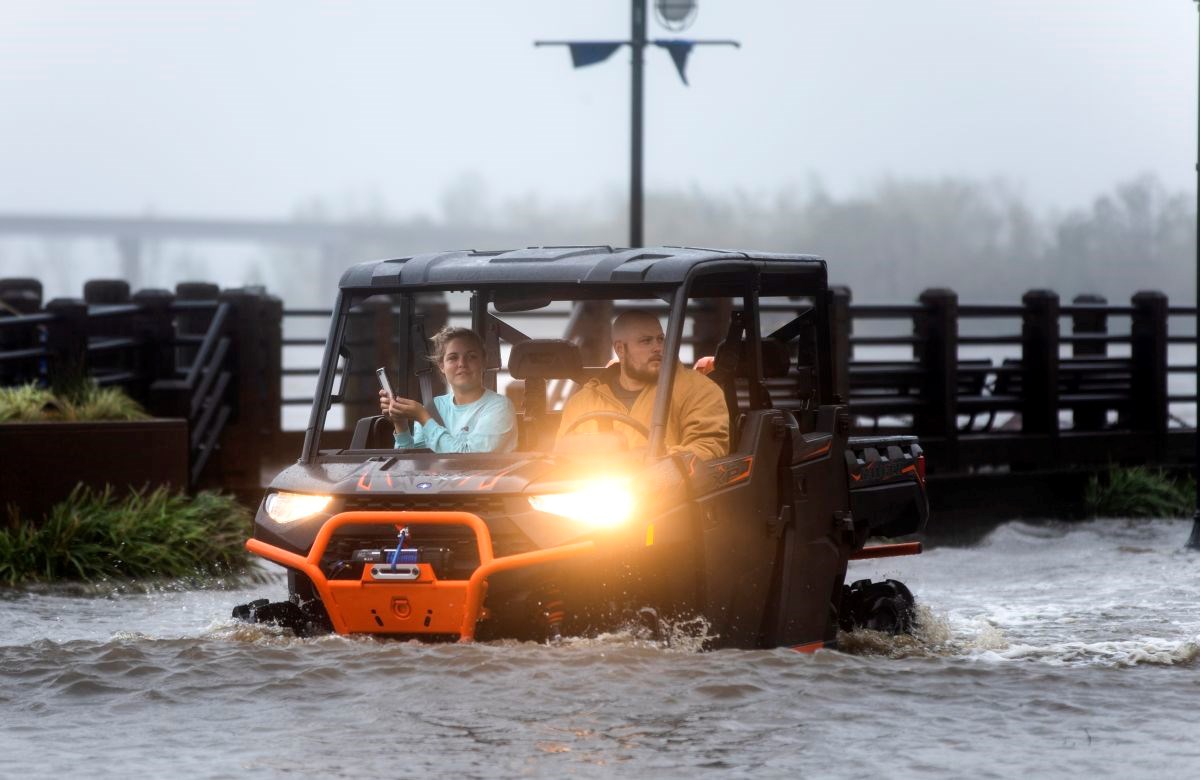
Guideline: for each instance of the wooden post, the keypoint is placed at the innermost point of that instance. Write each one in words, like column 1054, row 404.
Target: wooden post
column 255, row 329
column 20, row 296
column 193, row 323
column 435, row 312
column 155, row 332
column 270, row 366
column 66, row 341
column 709, row 324
column 102, row 291
column 936, row 350
column 595, row 332
column 1092, row 418
column 841, row 326
column 1039, row 366
column 1150, row 368
column 369, row 336
column 110, row 363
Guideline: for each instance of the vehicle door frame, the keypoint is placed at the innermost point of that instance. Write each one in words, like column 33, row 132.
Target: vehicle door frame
column 747, row 276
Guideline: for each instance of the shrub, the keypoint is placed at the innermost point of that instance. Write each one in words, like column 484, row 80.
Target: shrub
column 1139, row 491
column 108, row 403
column 95, row 535
column 82, row 401
column 27, row 403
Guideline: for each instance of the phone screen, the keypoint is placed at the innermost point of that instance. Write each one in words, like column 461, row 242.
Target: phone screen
column 383, row 381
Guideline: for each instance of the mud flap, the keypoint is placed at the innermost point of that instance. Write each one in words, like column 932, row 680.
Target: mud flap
column 813, row 550
column 810, row 573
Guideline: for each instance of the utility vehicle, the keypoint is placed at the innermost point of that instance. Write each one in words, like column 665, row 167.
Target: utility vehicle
column 577, row 533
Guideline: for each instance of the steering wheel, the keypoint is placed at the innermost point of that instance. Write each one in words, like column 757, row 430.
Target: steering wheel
column 614, row 417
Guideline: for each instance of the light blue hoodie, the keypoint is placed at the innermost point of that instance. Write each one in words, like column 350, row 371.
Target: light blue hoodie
column 488, row 424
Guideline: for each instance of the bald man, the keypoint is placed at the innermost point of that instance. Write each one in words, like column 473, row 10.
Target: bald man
column 698, row 421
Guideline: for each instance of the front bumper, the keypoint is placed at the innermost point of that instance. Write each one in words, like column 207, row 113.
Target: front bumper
column 408, row 599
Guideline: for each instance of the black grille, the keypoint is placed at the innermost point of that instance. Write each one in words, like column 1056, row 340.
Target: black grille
column 506, row 538
column 484, row 506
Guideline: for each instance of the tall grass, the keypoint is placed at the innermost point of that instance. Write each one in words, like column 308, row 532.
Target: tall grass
column 80, row 402
column 95, row 535
column 108, row 403
column 27, row 403
column 1139, row 491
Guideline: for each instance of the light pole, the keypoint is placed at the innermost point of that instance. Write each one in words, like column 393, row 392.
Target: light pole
column 1194, row 541
column 637, row 43
column 673, row 14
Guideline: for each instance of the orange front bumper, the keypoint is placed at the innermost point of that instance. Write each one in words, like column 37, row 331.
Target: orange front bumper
column 379, row 604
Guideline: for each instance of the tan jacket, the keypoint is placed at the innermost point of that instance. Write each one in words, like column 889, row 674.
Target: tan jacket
column 698, row 421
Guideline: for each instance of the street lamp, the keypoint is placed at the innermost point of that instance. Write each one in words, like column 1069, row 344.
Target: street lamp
column 674, row 15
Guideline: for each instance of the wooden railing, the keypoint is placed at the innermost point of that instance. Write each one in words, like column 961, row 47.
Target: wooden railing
column 1003, row 386
column 1011, row 387
column 1029, row 385
column 198, row 354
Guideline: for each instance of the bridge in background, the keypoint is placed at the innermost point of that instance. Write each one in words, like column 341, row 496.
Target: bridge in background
column 333, row 241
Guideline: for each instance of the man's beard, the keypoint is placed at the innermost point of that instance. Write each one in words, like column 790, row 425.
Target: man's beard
column 648, row 375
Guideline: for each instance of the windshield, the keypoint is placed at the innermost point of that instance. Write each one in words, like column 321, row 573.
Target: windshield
column 392, row 332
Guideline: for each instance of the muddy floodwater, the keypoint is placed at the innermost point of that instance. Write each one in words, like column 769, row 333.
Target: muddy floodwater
column 1047, row 650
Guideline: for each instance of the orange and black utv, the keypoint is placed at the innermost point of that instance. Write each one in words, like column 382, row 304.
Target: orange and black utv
column 576, row 533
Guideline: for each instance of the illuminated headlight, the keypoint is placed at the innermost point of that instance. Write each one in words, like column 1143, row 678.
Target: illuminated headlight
column 599, row 504
column 290, row 507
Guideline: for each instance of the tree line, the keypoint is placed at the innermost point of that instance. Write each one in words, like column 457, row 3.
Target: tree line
column 887, row 243
column 981, row 238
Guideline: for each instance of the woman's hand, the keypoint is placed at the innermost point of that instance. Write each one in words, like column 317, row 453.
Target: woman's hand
column 401, row 410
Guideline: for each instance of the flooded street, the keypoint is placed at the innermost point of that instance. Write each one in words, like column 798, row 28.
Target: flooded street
column 1047, row 650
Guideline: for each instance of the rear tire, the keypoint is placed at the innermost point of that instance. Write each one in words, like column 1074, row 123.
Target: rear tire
column 887, row 607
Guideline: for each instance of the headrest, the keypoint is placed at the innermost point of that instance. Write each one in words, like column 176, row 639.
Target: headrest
column 545, row 359
column 775, row 358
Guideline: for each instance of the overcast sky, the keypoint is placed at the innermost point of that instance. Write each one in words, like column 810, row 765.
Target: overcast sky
column 250, row 109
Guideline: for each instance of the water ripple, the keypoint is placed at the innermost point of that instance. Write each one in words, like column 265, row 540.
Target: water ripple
column 1081, row 640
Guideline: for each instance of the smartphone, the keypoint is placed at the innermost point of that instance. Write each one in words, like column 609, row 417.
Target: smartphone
column 383, row 382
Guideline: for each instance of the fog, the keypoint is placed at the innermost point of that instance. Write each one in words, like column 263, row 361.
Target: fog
column 889, row 243
column 990, row 146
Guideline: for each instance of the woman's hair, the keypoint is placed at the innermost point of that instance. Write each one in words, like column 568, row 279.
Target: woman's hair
column 448, row 334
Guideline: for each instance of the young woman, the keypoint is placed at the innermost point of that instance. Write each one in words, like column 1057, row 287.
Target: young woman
column 476, row 419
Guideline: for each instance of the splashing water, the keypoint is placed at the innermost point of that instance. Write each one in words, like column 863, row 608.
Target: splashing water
column 682, row 635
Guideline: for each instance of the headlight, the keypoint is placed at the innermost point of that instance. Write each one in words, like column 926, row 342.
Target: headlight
column 290, row 507
column 599, row 504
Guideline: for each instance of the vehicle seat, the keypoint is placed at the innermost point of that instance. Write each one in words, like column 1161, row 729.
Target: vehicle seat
column 372, row 433
column 535, row 361
column 733, row 362
column 776, row 361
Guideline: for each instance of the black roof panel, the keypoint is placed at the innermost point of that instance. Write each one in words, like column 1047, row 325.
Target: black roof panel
column 600, row 265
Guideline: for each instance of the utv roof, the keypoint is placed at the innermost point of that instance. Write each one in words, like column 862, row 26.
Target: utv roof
column 662, row 266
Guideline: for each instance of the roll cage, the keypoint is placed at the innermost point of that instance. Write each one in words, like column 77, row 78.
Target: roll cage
column 738, row 280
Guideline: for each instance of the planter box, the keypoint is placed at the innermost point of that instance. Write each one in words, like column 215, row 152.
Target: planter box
column 41, row 462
